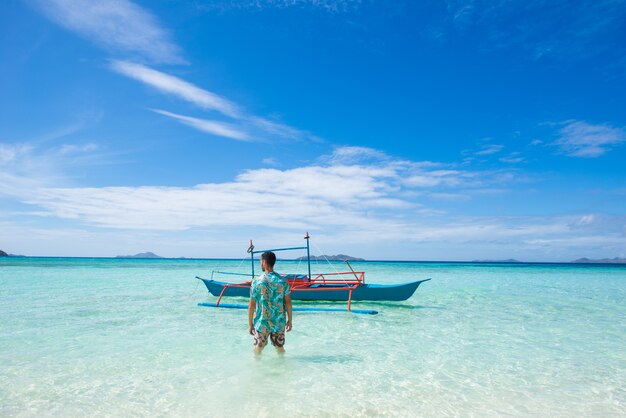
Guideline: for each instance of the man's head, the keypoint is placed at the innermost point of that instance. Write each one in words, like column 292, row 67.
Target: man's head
column 268, row 259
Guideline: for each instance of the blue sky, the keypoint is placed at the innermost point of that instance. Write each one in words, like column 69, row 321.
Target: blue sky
column 435, row 130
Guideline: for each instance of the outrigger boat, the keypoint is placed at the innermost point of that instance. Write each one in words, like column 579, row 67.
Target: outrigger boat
column 339, row 286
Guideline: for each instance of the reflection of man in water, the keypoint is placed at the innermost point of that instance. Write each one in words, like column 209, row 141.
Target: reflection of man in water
column 269, row 310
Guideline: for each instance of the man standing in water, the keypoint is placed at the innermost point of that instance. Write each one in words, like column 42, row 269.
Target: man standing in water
column 269, row 310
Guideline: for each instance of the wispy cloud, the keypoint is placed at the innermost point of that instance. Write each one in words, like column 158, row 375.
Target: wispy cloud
column 270, row 161
column 275, row 130
column 11, row 152
column 485, row 149
column 209, row 126
column 125, row 28
column 575, row 30
column 331, row 6
column 175, row 86
column 354, row 154
column 43, row 159
column 513, row 158
column 242, row 126
column 582, row 139
column 489, row 149
column 69, row 149
column 120, row 26
column 442, row 178
column 32, row 165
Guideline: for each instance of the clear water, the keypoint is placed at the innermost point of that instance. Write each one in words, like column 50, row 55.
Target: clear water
column 112, row 337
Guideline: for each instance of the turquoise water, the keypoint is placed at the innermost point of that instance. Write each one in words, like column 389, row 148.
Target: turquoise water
column 113, row 337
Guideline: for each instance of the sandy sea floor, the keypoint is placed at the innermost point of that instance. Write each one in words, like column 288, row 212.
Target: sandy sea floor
column 82, row 337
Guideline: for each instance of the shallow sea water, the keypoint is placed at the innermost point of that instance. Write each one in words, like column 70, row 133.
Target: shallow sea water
column 82, row 337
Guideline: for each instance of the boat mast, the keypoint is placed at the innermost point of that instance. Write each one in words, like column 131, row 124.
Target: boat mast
column 251, row 251
column 308, row 253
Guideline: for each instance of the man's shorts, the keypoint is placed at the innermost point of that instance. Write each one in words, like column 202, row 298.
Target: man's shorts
column 277, row 338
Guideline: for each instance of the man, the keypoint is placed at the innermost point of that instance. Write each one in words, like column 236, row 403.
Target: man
column 269, row 310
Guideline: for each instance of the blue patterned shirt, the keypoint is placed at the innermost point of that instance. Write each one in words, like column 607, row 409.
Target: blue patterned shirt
column 269, row 291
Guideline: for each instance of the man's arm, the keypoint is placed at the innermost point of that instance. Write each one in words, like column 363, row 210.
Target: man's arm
column 251, row 308
column 289, row 312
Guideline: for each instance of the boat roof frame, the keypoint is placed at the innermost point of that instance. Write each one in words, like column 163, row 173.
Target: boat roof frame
column 252, row 252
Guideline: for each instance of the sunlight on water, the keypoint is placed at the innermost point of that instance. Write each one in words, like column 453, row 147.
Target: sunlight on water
column 125, row 337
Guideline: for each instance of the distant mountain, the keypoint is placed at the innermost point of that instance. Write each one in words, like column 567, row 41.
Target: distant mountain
column 508, row 260
column 140, row 255
column 616, row 260
column 4, row 254
column 338, row 257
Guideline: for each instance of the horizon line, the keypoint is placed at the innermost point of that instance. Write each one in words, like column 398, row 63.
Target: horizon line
column 591, row 262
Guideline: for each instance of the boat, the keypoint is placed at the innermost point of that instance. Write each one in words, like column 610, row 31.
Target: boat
column 344, row 286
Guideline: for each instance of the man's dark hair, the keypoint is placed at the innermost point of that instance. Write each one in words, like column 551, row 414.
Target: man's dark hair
column 269, row 257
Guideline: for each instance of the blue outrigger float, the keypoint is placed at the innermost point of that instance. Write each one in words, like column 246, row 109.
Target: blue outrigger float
column 340, row 286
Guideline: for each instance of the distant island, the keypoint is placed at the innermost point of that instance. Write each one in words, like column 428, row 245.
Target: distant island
column 338, row 257
column 5, row 254
column 616, row 260
column 140, row 255
column 509, row 260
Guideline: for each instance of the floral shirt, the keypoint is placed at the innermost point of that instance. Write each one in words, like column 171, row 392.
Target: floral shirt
column 269, row 290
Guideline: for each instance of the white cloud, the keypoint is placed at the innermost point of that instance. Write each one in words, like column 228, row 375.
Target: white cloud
column 67, row 149
column 295, row 198
column 176, row 87
column 582, row 139
column 331, row 6
column 274, row 130
column 11, row 152
column 377, row 195
column 359, row 203
column 442, row 178
column 122, row 26
column 26, row 167
column 489, row 149
column 353, row 154
column 513, row 158
column 449, row 197
column 209, row 126
column 118, row 25
column 571, row 30
column 243, row 126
